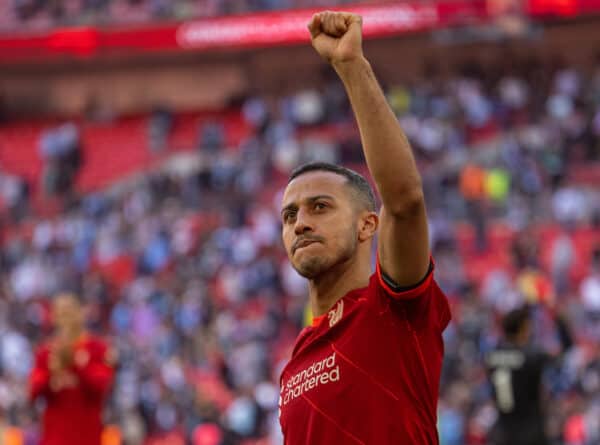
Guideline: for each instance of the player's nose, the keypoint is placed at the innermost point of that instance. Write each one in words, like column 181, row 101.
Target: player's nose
column 303, row 223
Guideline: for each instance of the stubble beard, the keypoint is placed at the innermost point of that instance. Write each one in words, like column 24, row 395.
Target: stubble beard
column 311, row 267
column 314, row 266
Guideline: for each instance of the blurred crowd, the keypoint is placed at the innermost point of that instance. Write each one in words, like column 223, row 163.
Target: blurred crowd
column 60, row 150
column 43, row 14
column 183, row 269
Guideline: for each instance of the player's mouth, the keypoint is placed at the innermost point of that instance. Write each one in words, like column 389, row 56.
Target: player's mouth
column 303, row 243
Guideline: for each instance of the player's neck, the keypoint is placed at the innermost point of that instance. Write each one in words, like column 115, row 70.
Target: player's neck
column 71, row 335
column 328, row 288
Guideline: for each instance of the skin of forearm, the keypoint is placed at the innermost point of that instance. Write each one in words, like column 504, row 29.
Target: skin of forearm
column 387, row 150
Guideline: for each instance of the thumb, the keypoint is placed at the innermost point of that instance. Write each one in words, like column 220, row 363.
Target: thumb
column 315, row 25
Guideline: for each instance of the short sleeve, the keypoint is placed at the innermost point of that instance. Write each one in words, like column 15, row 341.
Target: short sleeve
column 424, row 304
column 404, row 293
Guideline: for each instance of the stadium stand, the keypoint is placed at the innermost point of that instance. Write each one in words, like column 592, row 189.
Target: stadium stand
column 36, row 15
column 176, row 249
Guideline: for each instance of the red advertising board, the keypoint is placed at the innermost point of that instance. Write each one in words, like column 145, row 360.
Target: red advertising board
column 290, row 27
column 562, row 8
column 256, row 30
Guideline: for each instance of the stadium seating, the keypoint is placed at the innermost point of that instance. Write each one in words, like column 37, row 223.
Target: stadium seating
column 183, row 267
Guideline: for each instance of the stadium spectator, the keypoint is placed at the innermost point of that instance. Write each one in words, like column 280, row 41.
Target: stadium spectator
column 14, row 196
column 211, row 136
column 160, row 124
column 61, row 151
column 590, row 287
column 472, row 186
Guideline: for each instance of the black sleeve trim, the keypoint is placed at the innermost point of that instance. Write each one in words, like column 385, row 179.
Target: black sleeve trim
column 398, row 289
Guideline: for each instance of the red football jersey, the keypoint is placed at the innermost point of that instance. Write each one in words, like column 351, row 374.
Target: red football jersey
column 73, row 414
column 368, row 372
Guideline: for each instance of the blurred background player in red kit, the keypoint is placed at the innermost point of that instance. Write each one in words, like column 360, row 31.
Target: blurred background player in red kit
column 73, row 373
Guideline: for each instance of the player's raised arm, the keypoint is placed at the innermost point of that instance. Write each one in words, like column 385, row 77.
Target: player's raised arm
column 403, row 243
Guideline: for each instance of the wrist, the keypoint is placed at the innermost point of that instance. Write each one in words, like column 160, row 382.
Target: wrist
column 346, row 67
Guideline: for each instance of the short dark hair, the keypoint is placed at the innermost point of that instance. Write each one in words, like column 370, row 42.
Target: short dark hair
column 355, row 180
column 514, row 321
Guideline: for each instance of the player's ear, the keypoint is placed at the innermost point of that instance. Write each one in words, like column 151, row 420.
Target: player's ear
column 367, row 225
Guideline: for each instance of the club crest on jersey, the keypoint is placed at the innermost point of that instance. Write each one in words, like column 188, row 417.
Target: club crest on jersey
column 336, row 313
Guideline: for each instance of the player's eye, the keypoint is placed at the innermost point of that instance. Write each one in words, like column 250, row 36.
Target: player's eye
column 289, row 216
column 320, row 206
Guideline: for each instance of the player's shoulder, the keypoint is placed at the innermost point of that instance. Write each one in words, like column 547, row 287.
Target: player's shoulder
column 421, row 302
column 397, row 291
column 536, row 356
column 301, row 339
column 379, row 284
column 360, row 293
column 96, row 342
column 103, row 349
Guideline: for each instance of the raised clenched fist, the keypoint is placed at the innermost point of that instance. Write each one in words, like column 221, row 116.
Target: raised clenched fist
column 337, row 36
